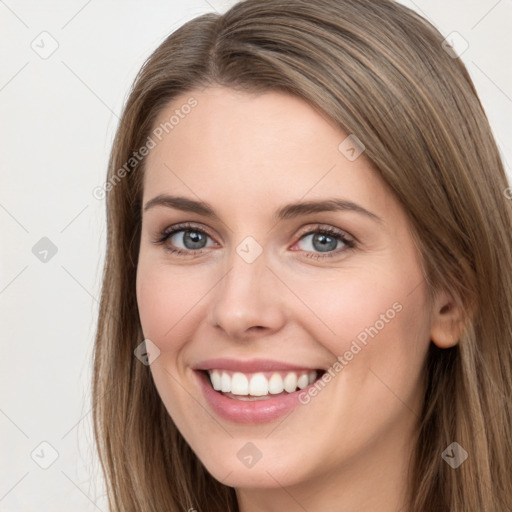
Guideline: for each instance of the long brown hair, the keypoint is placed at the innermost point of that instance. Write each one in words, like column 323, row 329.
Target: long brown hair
column 379, row 71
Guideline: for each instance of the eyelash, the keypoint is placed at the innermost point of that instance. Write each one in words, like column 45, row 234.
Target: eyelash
column 167, row 233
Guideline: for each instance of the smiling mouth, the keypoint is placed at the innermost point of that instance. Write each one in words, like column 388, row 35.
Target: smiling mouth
column 260, row 385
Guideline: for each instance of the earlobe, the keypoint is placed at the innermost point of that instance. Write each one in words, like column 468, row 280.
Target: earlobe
column 447, row 322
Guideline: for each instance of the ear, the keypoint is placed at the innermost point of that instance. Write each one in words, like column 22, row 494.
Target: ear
column 447, row 321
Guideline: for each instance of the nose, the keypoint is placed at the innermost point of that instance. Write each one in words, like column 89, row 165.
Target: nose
column 248, row 300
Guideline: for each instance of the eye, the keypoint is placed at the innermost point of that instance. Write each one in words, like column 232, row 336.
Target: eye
column 321, row 242
column 191, row 238
column 326, row 241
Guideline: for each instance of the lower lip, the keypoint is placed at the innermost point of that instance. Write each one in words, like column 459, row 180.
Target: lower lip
column 257, row 411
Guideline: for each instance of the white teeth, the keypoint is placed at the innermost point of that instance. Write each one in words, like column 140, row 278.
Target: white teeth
column 303, row 381
column 275, row 384
column 225, row 383
column 216, row 380
column 257, row 384
column 239, row 384
column 290, row 382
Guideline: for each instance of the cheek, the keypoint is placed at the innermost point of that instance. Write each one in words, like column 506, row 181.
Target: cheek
column 155, row 301
column 169, row 302
column 372, row 317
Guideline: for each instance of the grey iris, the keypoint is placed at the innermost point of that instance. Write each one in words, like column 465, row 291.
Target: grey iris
column 325, row 242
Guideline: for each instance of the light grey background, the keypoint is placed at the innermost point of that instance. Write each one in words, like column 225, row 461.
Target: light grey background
column 58, row 116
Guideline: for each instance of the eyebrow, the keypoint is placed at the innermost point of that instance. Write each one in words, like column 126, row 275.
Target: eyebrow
column 288, row 211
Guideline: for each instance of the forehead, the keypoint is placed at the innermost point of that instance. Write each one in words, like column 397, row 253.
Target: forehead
column 258, row 147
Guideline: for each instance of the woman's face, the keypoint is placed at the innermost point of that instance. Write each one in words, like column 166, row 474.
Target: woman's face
column 262, row 293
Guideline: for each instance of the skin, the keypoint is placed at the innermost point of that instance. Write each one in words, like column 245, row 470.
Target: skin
column 247, row 155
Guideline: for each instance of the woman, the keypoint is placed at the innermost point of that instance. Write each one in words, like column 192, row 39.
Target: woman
column 307, row 293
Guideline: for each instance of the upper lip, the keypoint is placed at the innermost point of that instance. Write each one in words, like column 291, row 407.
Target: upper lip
column 249, row 366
